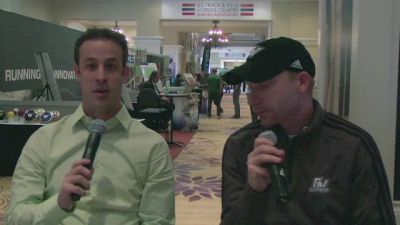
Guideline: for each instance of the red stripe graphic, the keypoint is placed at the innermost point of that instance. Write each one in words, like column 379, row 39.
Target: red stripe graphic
column 188, row 9
column 246, row 5
column 246, row 14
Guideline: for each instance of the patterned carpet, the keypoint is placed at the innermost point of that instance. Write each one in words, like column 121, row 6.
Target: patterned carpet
column 5, row 185
column 197, row 168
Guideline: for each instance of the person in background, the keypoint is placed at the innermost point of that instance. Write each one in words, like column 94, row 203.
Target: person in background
column 180, row 81
column 172, row 71
column 201, row 82
column 330, row 168
column 151, row 83
column 252, row 113
column 235, row 99
column 132, row 179
column 215, row 90
column 197, row 77
column 225, row 88
column 201, row 79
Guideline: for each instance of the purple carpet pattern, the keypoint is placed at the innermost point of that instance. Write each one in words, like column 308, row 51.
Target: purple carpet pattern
column 198, row 167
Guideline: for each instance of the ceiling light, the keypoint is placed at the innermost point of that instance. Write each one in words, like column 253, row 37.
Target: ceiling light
column 216, row 37
column 116, row 28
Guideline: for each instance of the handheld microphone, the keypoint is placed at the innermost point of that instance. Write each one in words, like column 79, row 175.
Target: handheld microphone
column 278, row 178
column 96, row 128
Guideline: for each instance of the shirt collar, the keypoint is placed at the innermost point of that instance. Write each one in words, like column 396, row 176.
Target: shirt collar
column 122, row 118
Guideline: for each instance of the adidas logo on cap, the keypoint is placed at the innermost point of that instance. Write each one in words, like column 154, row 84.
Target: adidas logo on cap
column 255, row 51
column 297, row 65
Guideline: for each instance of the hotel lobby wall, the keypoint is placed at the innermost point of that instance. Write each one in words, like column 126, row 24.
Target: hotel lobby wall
column 38, row 9
column 173, row 30
column 176, row 53
column 293, row 19
column 147, row 14
column 298, row 20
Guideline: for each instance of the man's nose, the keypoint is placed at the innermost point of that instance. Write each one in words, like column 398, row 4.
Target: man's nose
column 101, row 73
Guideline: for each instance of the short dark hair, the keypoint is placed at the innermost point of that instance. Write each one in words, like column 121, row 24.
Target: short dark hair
column 153, row 75
column 103, row 33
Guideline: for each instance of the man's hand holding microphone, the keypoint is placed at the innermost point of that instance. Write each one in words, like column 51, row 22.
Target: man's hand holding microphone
column 75, row 183
column 263, row 166
column 77, row 180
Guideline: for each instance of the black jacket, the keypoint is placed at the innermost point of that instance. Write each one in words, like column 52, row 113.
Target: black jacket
column 334, row 173
column 149, row 84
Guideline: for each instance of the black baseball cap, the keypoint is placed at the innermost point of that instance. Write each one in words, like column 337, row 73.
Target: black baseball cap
column 269, row 59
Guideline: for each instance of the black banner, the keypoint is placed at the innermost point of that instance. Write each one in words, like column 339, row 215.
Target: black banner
column 20, row 38
column 205, row 63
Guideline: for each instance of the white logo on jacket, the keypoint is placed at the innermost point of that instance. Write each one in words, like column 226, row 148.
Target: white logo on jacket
column 319, row 184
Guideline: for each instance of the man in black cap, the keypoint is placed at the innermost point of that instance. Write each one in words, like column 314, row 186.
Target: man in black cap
column 310, row 167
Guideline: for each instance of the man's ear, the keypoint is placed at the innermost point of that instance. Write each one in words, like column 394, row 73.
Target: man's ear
column 125, row 74
column 305, row 80
column 77, row 72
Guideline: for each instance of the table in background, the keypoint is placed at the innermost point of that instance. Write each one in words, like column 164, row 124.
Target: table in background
column 185, row 115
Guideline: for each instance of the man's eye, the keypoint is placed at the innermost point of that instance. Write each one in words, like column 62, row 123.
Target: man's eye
column 91, row 66
column 265, row 86
column 110, row 66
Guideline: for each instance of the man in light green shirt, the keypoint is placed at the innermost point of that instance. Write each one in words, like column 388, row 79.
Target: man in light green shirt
column 132, row 177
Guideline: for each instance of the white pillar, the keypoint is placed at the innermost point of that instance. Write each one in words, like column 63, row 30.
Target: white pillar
column 151, row 44
column 374, row 72
column 321, row 67
column 175, row 52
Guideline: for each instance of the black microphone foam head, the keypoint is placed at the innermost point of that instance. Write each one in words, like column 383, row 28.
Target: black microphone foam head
column 270, row 135
column 97, row 126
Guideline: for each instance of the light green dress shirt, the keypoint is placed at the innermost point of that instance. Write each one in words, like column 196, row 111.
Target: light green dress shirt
column 132, row 183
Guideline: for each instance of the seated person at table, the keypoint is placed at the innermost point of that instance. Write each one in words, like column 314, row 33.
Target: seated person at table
column 132, row 182
column 179, row 81
column 151, row 82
